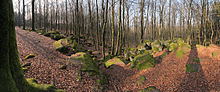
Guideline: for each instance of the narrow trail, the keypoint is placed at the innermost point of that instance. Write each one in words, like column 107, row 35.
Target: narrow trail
column 45, row 65
column 169, row 76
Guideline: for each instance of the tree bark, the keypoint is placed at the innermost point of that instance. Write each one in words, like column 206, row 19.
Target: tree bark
column 33, row 18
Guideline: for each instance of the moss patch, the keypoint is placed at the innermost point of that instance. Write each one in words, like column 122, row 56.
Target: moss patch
column 215, row 54
column 197, row 60
column 141, row 79
column 192, row 68
column 88, row 65
column 180, row 52
column 27, row 64
column 113, row 61
column 143, row 61
column 29, row 56
column 42, row 88
column 150, row 89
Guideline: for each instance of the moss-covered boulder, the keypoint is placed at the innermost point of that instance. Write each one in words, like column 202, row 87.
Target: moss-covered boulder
column 143, row 61
column 150, row 89
column 29, row 56
column 88, row 65
column 56, row 36
column 114, row 61
column 42, row 88
column 50, row 33
column 64, row 46
column 173, row 47
column 156, row 46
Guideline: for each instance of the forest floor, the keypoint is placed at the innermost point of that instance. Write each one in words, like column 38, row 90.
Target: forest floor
column 169, row 75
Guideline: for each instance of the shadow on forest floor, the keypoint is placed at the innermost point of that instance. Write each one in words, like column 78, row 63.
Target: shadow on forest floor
column 194, row 79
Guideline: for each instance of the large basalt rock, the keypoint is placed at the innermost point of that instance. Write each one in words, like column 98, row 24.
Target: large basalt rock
column 156, row 46
column 143, row 61
column 114, row 61
column 35, row 87
column 86, row 62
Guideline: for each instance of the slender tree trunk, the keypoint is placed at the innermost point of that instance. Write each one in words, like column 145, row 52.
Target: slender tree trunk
column 24, row 15
column 40, row 14
column 104, row 30
column 119, row 29
column 142, row 21
column 33, row 18
column 113, row 28
column 97, row 26
column 128, row 22
column 169, row 29
column 66, row 18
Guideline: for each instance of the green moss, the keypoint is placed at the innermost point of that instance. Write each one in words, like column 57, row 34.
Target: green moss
column 150, row 89
column 29, row 56
column 88, row 65
column 26, row 68
column 58, row 43
column 180, row 52
column 42, row 88
column 27, row 64
column 143, row 61
column 156, row 46
column 103, row 80
column 161, row 56
column 56, row 36
column 196, row 60
column 192, row 68
column 141, row 79
column 173, row 47
column 215, row 54
column 113, row 61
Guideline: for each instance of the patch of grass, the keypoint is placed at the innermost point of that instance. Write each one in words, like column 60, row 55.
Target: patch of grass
column 29, row 56
column 197, row 60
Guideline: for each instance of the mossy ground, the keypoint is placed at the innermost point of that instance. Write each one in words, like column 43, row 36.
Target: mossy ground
column 150, row 89
column 35, row 87
column 192, row 68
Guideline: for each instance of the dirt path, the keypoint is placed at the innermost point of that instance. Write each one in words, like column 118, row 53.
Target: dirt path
column 45, row 65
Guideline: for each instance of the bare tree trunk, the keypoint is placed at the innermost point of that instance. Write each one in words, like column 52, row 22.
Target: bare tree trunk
column 128, row 23
column 24, row 15
column 104, row 30
column 97, row 26
column 170, row 32
column 67, row 18
column 142, row 20
column 113, row 24
column 33, row 18
column 119, row 29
